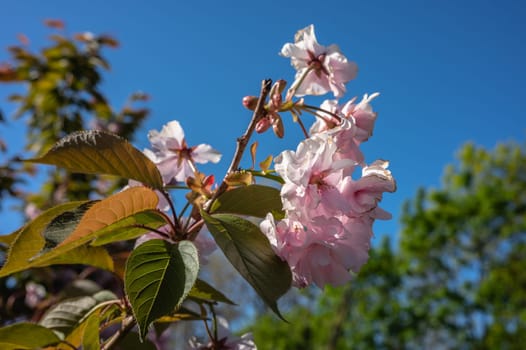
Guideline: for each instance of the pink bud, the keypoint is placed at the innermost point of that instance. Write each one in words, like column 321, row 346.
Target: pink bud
column 263, row 125
column 250, row 102
column 277, row 127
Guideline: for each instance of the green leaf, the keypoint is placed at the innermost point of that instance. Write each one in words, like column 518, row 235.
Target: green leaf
column 98, row 152
column 91, row 334
column 204, row 291
column 8, row 239
column 26, row 336
column 61, row 226
column 29, row 240
column 113, row 214
column 125, row 230
column 70, row 313
column 253, row 200
column 249, row 251
column 158, row 277
column 134, row 341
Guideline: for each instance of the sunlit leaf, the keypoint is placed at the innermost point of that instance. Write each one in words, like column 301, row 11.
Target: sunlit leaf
column 239, row 178
column 253, row 200
column 253, row 149
column 61, row 226
column 26, row 336
column 29, row 240
column 265, row 164
column 204, row 291
column 99, row 152
column 249, row 251
column 125, row 229
column 181, row 314
column 113, row 209
column 10, row 238
column 158, row 277
column 91, row 334
column 114, row 214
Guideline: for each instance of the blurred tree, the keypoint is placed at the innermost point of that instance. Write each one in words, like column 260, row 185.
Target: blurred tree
column 455, row 281
column 62, row 94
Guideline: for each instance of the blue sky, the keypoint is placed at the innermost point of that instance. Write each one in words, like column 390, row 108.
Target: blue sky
column 448, row 71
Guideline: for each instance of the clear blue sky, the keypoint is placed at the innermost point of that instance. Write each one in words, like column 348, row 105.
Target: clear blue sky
column 447, row 71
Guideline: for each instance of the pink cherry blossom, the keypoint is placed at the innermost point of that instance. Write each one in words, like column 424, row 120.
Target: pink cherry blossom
column 363, row 116
column 343, row 134
column 321, row 253
column 173, row 157
column 225, row 339
column 364, row 194
column 319, row 69
column 311, row 176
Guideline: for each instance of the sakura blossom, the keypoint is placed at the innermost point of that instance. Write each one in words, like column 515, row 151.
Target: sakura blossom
column 326, row 234
column 364, row 194
column 311, row 176
column 319, row 69
column 321, row 252
column 174, row 158
column 225, row 339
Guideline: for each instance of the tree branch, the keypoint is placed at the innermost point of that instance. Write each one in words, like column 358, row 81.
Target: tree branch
column 259, row 113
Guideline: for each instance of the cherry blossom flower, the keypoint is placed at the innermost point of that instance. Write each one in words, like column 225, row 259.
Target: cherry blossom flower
column 173, row 157
column 356, row 126
column 364, row 194
column 311, row 176
column 322, row 252
column 225, row 339
column 362, row 115
column 326, row 234
column 319, row 69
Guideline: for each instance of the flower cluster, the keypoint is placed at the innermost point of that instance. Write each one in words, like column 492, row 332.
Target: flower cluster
column 319, row 69
column 327, row 228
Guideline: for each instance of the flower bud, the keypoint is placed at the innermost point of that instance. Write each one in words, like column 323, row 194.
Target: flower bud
column 277, row 127
column 278, row 87
column 250, row 102
column 263, row 125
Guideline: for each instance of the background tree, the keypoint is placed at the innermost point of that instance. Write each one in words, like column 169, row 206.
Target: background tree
column 453, row 281
column 62, row 94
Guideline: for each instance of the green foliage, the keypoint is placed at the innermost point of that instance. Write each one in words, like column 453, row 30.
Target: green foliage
column 205, row 292
column 456, row 279
column 15, row 337
column 262, row 200
column 63, row 95
column 102, row 220
column 159, row 276
column 250, row 253
column 65, row 316
column 97, row 152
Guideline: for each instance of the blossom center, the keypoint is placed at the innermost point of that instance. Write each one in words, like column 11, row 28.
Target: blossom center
column 316, row 63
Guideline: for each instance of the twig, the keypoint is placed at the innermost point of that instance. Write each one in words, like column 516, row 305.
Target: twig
column 127, row 325
column 259, row 113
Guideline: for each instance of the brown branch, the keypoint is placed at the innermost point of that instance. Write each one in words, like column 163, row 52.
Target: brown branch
column 259, row 113
column 127, row 325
